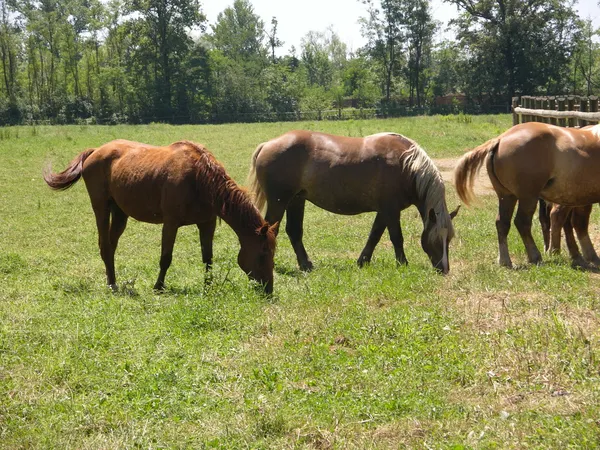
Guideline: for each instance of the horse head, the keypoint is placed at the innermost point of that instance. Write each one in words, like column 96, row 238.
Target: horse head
column 256, row 255
column 437, row 234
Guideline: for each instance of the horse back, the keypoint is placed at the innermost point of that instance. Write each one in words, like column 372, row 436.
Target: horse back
column 149, row 183
column 347, row 175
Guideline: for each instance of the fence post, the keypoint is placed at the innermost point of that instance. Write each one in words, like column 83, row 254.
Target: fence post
column 515, row 104
column 538, row 104
column 552, row 107
column 583, row 107
column 593, row 104
column 525, row 104
column 562, row 107
column 571, row 122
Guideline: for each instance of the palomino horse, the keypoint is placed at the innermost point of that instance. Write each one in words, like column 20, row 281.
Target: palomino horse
column 181, row 184
column 553, row 217
column 384, row 172
column 529, row 161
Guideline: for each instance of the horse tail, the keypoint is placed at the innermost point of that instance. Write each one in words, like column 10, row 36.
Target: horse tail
column 69, row 176
column 256, row 191
column 469, row 165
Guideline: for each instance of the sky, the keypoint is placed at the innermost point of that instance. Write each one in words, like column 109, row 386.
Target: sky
column 297, row 17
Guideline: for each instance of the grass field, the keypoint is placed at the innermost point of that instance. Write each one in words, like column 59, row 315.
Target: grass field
column 380, row 357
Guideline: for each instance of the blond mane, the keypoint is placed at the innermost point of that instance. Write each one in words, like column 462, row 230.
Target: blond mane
column 430, row 188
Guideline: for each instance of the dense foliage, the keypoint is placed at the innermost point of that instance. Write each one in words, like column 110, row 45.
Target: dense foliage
column 158, row 60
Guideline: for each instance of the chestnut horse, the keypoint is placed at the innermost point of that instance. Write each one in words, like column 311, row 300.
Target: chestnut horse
column 385, row 172
column 530, row 161
column 181, row 184
column 553, row 217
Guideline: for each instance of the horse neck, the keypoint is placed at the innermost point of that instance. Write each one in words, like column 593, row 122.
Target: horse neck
column 235, row 208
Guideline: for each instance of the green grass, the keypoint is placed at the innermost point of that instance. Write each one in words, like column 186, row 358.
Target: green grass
column 380, row 357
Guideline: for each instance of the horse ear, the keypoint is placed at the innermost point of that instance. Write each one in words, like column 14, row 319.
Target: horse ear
column 432, row 217
column 263, row 230
column 275, row 228
column 454, row 213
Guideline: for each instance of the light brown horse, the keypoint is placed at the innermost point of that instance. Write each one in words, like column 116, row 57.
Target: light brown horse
column 181, row 184
column 384, row 172
column 530, row 161
column 553, row 217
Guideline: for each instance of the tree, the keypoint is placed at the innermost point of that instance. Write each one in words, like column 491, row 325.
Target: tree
column 383, row 31
column 315, row 59
column 517, row 46
column 420, row 28
column 274, row 41
column 239, row 34
column 9, row 54
column 587, row 59
column 166, row 23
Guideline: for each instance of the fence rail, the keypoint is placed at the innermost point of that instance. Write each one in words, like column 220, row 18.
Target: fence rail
column 565, row 111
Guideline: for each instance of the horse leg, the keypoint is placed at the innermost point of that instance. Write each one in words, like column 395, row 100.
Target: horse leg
column 523, row 219
column 376, row 232
column 118, row 222
column 169, row 232
column 506, row 207
column 544, row 217
column 558, row 218
column 580, row 221
column 102, row 213
column 576, row 258
column 275, row 212
column 294, row 230
column 393, row 226
column 207, row 233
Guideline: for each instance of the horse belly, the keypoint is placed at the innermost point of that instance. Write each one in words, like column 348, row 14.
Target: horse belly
column 140, row 204
column 344, row 201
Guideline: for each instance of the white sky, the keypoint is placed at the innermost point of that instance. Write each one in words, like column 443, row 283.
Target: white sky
column 298, row 17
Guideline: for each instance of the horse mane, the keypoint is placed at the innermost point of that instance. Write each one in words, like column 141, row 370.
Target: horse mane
column 595, row 129
column 429, row 186
column 229, row 199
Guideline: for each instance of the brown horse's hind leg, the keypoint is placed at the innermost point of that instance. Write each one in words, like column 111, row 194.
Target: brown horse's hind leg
column 581, row 221
column 523, row 220
column 376, row 232
column 118, row 222
column 576, row 258
column 544, row 216
column 169, row 233
column 294, row 230
column 506, row 207
column 559, row 216
column 102, row 213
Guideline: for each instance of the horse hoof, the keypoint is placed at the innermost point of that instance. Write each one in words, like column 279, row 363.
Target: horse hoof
column 508, row 264
column 579, row 263
column 363, row 262
column 113, row 287
column 306, row 267
column 159, row 287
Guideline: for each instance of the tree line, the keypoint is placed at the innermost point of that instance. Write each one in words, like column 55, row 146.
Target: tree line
column 137, row 61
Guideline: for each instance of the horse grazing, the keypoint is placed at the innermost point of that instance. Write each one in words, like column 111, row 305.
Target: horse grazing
column 553, row 217
column 181, row 184
column 385, row 172
column 530, row 161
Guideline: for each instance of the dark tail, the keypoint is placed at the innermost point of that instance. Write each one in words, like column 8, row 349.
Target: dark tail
column 469, row 165
column 69, row 176
column 258, row 195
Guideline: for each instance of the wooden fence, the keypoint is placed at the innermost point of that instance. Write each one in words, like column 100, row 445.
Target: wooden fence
column 565, row 111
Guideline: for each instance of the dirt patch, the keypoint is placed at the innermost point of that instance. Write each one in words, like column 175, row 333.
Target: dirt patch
column 482, row 185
